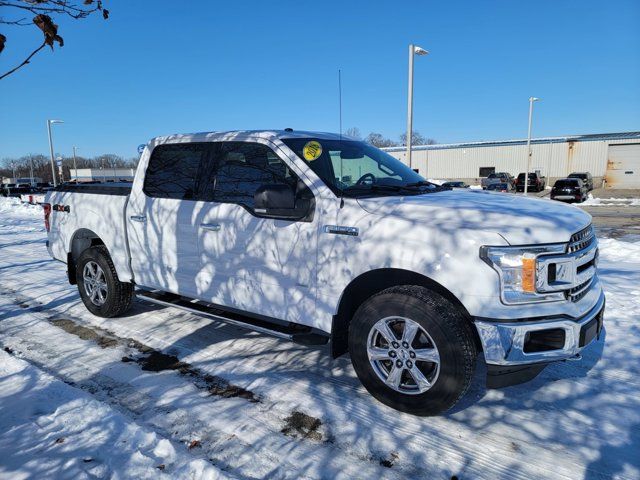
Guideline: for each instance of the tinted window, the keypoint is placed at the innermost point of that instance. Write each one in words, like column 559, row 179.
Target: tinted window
column 173, row 170
column 486, row 171
column 238, row 169
column 567, row 183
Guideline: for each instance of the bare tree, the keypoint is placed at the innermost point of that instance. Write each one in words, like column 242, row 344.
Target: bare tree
column 43, row 10
column 377, row 140
column 416, row 139
column 353, row 132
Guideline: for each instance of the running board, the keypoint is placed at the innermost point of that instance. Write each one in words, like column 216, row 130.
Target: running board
column 290, row 331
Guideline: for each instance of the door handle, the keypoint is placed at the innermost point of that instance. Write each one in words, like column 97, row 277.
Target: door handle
column 138, row 218
column 213, row 227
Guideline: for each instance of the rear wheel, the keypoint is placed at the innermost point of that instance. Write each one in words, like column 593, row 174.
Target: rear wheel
column 101, row 291
column 412, row 349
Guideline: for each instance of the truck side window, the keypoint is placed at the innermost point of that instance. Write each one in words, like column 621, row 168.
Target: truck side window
column 173, row 170
column 238, row 169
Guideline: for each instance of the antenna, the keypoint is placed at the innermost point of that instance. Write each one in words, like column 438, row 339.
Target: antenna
column 340, row 112
column 340, row 99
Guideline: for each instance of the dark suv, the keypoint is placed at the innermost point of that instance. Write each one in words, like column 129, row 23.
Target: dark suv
column 569, row 190
column 586, row 178
column 536, row 183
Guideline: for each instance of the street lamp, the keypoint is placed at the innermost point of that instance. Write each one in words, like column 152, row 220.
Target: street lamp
column 413, row 50
column 526, row 175
column 53, row 167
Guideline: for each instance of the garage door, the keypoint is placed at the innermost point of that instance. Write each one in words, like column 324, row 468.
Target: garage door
column 623, row 167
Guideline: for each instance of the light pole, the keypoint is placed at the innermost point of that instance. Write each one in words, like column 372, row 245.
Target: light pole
column 75, row 166
column 413, row 50
column 31, row 169
column 13, row 169
column 526, row 175
column 53, row 167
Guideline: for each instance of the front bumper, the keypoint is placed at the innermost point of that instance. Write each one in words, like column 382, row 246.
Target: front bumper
column 505, row 342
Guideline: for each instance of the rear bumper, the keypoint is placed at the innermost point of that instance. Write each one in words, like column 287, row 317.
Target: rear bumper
column 516, row 343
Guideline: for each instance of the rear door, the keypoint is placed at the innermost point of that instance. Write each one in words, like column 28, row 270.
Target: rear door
column 161, row 215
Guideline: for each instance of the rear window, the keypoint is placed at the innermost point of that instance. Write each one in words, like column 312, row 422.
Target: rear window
column 566, row 183
column 173, row 170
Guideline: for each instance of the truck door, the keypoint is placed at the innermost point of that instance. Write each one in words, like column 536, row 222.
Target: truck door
column 160, row 219
column 249, row 262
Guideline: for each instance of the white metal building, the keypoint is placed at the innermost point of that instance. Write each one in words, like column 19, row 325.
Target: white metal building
column 613, row 157
column 102, row 174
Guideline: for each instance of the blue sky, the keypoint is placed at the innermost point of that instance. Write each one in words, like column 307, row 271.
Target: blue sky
column 159, row 67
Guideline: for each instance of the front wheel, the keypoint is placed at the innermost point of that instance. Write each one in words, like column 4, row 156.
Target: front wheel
column 101, row 291
column 413, row 350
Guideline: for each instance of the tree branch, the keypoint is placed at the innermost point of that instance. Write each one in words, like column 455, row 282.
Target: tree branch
column 25, row 61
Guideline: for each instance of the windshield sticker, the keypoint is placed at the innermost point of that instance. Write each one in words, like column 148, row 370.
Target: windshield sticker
column 311, row 151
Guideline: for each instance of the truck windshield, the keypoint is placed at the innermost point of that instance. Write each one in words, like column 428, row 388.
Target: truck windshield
column 357, row 169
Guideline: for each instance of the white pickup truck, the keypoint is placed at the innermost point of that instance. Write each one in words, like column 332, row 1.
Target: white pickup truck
column 324, row 239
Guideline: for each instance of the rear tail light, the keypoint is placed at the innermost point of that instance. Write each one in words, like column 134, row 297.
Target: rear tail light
column 47, row 212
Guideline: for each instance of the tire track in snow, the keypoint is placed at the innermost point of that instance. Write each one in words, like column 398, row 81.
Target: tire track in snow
column 134, row 402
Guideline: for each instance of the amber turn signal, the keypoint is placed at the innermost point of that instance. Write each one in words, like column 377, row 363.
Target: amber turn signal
column 529, row 273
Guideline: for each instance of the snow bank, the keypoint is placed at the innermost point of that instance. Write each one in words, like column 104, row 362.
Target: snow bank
column 593, row 202
column 12, row 206
column 49, row 429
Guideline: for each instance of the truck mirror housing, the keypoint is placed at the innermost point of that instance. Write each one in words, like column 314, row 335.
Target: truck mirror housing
column 279, row 201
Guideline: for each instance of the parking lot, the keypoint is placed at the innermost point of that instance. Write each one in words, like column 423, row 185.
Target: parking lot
column 250, row 406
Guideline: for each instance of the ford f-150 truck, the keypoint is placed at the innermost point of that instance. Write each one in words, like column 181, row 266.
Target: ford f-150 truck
column 323, row 239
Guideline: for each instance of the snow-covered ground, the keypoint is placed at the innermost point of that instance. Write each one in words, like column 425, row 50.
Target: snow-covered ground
column 591, row 201
column 162, row 392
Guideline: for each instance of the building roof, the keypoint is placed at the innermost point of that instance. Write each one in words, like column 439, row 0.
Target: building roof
column 568, row 138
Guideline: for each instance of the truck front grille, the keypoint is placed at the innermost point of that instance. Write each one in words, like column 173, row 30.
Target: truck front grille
column 581, row 240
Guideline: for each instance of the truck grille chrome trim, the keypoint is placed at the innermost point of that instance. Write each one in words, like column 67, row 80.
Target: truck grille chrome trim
column 581, row 240
column 572, row 272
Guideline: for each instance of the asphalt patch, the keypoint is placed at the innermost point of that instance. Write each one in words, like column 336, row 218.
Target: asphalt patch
column 301, row 425
column 85, row 333
column 158, row 362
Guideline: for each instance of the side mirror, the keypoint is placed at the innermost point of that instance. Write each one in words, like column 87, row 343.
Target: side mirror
column 279, row 201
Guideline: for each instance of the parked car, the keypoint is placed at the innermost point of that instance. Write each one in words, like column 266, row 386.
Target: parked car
column 537, row 182
column 500, row 177
column 18, row 191
column 501, row 187
column 569, row 190
column 586, row 178
column 253, row 228
column 454, row 184
column 6, row 188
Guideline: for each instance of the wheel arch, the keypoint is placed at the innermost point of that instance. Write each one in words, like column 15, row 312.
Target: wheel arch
column 82, row 239
column 372, row 282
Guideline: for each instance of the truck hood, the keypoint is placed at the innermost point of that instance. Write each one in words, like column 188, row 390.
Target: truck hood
column 519, row 220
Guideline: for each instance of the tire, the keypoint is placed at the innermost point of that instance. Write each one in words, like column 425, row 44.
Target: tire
column 441, row 325
column 111, row 297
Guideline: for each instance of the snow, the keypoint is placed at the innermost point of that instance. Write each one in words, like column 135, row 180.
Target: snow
column 591, row 201
column 246, row 405
column 49, row 429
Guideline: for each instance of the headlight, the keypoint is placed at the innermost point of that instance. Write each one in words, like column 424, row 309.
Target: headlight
column 517, row 268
